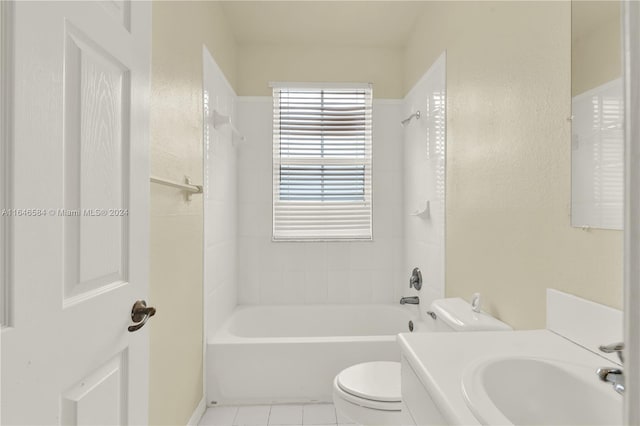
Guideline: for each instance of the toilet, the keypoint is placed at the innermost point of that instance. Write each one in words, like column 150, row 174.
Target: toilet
column 370, row 393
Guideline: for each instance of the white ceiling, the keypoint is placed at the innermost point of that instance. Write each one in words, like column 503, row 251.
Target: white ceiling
column 345, row 23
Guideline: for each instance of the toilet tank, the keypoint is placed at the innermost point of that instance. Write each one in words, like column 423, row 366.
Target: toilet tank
column 455, row 314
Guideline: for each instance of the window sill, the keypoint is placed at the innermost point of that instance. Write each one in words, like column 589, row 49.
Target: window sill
column 323, row 240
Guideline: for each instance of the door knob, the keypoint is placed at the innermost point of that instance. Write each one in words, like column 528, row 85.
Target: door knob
column 140, row 313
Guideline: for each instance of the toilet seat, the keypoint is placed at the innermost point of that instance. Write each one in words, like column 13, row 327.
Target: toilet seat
column 374, row 385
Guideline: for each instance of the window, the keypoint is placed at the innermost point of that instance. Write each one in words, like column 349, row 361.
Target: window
column 322, row 162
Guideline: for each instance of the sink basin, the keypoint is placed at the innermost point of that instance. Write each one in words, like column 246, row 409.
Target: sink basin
column 537, row 391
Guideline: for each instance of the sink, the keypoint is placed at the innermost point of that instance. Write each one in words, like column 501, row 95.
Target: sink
column 538, row 391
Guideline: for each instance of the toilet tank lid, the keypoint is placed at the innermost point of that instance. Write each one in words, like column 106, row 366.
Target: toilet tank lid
column 458, row 315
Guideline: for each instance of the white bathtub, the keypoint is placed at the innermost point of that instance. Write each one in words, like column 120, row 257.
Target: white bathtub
column 272, row 354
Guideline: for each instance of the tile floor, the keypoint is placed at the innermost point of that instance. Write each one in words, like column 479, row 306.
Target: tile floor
column 274, row 415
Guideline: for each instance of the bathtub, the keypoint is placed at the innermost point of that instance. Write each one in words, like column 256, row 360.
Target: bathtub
column 276, row 354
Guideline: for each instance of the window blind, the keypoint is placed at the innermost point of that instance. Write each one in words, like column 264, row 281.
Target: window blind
column 322, row 162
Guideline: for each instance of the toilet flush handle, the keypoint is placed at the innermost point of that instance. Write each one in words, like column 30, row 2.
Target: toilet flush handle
column 475, row 302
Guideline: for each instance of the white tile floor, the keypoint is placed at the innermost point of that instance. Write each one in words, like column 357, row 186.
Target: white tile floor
column 274, row 415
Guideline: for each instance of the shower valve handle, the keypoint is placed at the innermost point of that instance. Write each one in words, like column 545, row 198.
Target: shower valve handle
column 415, row 281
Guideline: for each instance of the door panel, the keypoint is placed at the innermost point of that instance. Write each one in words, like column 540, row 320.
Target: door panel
column 80, row 159
column 99, row 398
column 6, row 90
column 96, row 145
column 120, row 10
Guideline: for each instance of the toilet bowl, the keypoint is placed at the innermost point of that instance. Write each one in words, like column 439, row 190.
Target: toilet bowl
column 370, row 393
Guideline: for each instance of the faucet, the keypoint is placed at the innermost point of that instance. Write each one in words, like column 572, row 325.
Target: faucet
column 413, row 300
column 613, row 375
column 614, row 347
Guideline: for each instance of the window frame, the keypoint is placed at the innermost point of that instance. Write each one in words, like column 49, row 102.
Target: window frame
column 366, row 161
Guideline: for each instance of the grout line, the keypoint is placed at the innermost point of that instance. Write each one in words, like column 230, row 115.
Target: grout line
column 269, row 415
column 233, row 422
column 237, row 411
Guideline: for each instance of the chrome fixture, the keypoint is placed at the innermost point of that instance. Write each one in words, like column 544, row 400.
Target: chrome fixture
column 188, row 187
column 415, row 115
column 220, row 120
column 412, row 300
column 475, row 303
column 415, row 281
column 614, row 347
column 613, row 375
column 410, row 325
column 432, row 314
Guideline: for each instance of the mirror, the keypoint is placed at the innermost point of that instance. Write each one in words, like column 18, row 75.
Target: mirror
column 597, row 145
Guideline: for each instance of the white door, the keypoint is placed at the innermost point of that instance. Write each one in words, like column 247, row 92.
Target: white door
column 78, row 260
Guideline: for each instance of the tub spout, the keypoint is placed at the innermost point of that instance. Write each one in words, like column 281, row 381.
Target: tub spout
column 413, row 300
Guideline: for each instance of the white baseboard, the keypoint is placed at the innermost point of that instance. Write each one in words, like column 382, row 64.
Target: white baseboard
column 197, row 413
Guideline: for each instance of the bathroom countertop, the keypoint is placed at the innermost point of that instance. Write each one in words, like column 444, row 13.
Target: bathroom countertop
column 441, row 359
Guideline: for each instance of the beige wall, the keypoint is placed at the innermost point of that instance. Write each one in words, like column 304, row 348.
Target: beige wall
column 179, row 31
column 259, row 64
column 596, row 50
column 508, row 161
